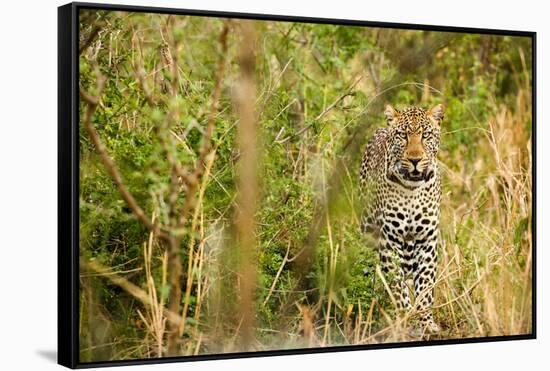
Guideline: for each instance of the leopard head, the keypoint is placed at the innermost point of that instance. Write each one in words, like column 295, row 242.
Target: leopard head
column 413, row 144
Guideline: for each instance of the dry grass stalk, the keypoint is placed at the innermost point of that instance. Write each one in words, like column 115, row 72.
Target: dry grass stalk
column 127, row 286
column 194, row 258
column 247, row 184
column 154, row 320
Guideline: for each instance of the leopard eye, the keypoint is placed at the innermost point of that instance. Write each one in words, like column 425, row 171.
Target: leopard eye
column 426, row 135
column 402, row 135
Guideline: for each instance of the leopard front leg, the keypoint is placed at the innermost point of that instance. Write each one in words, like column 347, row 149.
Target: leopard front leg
column 391, row 261
column 425, row 266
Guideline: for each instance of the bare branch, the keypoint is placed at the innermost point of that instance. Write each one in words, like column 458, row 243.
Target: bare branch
column 92, row 102
column 89, row 40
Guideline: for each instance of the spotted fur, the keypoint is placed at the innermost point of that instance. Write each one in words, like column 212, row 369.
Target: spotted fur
column 401, row 187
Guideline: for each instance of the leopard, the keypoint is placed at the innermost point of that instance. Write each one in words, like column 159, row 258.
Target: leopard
column 400, row 186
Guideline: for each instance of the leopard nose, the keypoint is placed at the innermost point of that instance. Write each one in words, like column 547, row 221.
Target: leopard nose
column 414, row 161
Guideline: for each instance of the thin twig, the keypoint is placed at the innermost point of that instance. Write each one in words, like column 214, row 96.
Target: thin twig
column 281, row 267
column 348, row 92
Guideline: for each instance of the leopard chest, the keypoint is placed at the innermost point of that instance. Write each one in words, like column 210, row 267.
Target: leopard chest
column 408, row 215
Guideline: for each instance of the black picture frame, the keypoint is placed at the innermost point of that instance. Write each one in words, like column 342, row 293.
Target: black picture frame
column 68, row 182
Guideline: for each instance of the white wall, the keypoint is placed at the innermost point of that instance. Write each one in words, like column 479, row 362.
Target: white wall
column 28, row 165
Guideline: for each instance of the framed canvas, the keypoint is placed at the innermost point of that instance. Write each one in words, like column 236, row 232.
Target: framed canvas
column 239, row 185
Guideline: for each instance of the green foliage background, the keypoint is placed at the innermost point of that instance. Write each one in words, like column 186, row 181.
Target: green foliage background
column 301, row 69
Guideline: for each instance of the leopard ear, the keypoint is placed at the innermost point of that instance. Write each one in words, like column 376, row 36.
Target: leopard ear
column 436, row 113
column 391, row 113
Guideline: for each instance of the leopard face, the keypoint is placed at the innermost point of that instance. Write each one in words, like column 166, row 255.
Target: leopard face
column 413, row 144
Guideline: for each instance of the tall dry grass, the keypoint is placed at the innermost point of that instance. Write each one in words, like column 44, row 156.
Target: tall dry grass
column 486, row 236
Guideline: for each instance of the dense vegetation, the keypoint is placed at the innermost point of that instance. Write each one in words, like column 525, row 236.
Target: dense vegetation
column 260, row 239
